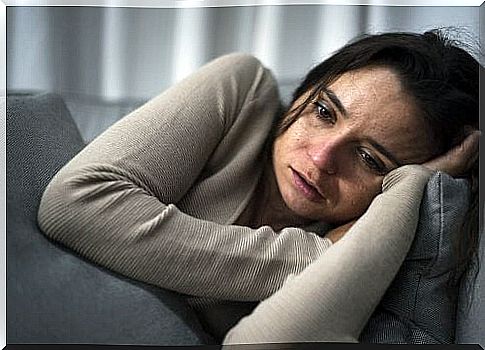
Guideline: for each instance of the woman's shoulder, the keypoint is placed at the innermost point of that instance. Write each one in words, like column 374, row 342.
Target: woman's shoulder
column 236, row 81
column 239, row 62
column 244, row 70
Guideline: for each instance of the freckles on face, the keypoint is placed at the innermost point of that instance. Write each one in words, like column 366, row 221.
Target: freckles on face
column 341, row 189
column 329, row 164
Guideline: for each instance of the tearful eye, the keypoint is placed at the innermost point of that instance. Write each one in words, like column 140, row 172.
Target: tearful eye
column 370, row 162
column 324, row 112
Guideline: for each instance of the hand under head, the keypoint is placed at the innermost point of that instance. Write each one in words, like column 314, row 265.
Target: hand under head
column 460, row 159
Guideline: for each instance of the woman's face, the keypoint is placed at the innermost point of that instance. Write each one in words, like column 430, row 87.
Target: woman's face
column 330, row 163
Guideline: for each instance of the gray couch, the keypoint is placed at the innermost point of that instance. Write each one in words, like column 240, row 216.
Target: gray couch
column 55, row 296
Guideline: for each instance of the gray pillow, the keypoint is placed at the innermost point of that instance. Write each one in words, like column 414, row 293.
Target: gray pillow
column 54, row 296
column 420, row 305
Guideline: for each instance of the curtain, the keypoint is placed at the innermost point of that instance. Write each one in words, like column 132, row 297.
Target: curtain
column 109, row 56
column 121, row 53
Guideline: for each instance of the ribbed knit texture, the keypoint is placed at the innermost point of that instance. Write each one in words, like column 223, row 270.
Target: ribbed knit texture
column 156, row 195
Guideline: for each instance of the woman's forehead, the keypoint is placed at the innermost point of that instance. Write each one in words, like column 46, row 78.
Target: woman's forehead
column 370, row 87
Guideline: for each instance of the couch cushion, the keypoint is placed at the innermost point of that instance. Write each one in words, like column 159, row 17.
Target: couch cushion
column 471, row 304
column 420, row 305
column 53, row 295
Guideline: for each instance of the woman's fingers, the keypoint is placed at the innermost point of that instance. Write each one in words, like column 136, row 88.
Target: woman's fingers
column 459, row 159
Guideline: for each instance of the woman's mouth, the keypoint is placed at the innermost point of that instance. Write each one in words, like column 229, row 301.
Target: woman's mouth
column 307, row 189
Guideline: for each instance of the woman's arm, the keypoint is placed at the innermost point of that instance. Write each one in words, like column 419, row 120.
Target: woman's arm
column 333, row 298
column 114, row 202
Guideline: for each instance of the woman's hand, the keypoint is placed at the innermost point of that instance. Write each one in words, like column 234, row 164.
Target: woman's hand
column 458, row 160
column 335, row 234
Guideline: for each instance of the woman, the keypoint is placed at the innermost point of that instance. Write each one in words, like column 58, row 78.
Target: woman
column 211, row 191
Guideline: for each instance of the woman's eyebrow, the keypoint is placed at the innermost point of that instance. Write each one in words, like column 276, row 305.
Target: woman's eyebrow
column 335, row 100
column 384, row 151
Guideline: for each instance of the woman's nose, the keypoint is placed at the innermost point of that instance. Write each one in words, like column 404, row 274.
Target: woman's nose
column 324, row 154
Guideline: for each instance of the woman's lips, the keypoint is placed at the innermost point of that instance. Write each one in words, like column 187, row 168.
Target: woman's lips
column 307, row 189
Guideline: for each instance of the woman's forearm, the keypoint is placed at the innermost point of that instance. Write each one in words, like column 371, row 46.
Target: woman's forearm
column 131, row 232
column 333, row 298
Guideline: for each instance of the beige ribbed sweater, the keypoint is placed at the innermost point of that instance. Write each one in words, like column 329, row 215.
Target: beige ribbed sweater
column 156, row 195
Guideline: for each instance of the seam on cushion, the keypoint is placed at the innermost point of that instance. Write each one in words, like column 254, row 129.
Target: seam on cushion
column 442, row 219
column 440, row 245
column 430, row 268
column 437, row 258
column 413, row 314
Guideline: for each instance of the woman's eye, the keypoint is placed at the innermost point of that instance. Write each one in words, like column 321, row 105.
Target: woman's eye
column 323, row 112
column 371, row 162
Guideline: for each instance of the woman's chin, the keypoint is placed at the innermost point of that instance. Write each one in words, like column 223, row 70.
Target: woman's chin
column 305, row 208
column 310, row 211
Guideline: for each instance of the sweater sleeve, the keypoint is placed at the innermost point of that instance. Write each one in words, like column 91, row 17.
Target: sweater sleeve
column 115, row 202
column 333, row 298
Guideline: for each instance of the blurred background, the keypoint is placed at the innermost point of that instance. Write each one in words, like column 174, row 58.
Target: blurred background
column 106, row 61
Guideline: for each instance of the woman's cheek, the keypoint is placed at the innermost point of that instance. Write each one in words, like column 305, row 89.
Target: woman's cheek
column 296, row 132
column 369, row 192
column 356, row 198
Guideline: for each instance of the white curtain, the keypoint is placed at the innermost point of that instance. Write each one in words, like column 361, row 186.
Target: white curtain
column 134, row 53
